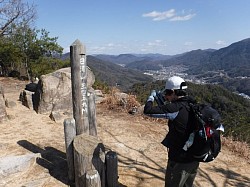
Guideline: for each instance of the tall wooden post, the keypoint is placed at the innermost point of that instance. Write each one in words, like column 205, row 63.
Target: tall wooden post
column 92, row 114
column 89, row 154
column 111, row 162
column 79, row 86
column 69, row 134
column 93, row 178
column 83, row 68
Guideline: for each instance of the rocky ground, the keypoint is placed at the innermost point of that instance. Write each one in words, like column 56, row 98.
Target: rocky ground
column 33, row 149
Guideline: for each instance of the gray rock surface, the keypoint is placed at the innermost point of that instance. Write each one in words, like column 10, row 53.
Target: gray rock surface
column 12, row 164
column 54, row 91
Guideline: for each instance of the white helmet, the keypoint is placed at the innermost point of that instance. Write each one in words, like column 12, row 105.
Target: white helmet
column 175, row 83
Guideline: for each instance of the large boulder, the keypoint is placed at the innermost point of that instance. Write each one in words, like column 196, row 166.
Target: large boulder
column 54, row 93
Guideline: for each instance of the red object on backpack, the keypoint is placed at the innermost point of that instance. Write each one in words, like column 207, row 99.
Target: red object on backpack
column 209, row 132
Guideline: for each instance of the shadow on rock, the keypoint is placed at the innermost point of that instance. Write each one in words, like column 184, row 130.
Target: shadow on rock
column 51, row 159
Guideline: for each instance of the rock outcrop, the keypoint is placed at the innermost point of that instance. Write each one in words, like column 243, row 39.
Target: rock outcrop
column 53, row 94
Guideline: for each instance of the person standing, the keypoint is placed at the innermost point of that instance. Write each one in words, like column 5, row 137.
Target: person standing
column 181, row 168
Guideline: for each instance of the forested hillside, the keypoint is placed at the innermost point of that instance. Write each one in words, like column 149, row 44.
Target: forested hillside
column 234, row 109
column 234, row 59
column 115, row 75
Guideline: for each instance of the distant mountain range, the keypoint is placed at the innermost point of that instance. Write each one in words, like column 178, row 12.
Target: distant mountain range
column 126, row 69
column 234, row 60
column 232, row 63
column 126, row 59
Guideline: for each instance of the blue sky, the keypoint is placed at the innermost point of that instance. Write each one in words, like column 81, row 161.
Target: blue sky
column 145, row 26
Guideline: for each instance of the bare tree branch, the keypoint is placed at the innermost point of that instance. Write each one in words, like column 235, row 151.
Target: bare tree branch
column 15, row 12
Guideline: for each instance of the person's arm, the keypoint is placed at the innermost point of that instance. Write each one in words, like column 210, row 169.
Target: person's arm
column 158, row 111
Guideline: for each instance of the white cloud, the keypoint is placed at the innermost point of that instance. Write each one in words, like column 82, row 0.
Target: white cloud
column 154, row 46
column 170, row 15
column 97, row 49
column 110, row 44
column 158, row 41
column 221, row 42
column 105, row 48
column 157, row 16
column 182, row 18
column 66, row 50
column 155, row 43
column 188, row 43
column 144, row 50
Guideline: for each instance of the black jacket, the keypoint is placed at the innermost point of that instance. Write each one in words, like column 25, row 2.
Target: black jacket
column 179, row 125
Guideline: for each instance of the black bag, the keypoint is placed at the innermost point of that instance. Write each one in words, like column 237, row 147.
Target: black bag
column 204, row 142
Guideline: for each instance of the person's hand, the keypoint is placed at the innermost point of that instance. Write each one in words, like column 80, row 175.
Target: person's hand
column 152, row 96
column 153, row 93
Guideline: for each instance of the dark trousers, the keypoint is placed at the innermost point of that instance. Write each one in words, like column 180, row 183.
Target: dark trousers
column 180, row 174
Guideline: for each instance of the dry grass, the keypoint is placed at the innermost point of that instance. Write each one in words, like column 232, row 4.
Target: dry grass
column 120, row 101
column 240, row 148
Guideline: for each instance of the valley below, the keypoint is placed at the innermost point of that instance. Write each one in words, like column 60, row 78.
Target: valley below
column 212, row 77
